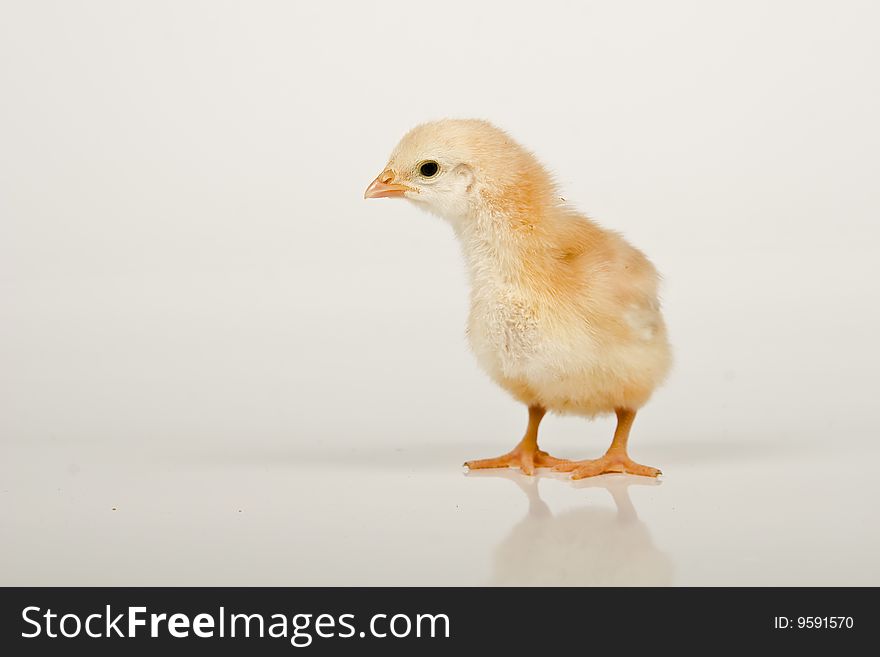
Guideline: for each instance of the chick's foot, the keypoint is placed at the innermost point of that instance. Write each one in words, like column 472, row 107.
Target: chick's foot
column 610, row 462
column 524, row 459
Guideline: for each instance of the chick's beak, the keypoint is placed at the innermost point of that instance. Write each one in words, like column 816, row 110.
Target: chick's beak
column 384, row 186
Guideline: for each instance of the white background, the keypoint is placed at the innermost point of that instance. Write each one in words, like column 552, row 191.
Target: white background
column 220, row 365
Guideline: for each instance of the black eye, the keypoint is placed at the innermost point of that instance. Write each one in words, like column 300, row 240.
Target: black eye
column 429, row 169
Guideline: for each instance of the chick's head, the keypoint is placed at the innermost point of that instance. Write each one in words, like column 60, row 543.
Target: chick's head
column 456, row 166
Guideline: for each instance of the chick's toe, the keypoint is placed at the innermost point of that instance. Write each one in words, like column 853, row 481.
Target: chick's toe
column 606, row 464
column 524, row 459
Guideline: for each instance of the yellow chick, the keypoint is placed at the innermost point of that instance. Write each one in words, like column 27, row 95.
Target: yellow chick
column 564, row 314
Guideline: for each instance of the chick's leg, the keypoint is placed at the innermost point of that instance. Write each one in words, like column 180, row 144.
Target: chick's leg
column 615, row 459
column 526, row 454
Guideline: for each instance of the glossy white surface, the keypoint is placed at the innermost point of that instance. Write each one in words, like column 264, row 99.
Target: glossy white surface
column 267, row 515
column 220, row 365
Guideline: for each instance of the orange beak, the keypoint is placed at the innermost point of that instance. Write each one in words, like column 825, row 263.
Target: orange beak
column 385, row 187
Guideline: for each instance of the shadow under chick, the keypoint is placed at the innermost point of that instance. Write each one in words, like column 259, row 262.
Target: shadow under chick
column 587, row 546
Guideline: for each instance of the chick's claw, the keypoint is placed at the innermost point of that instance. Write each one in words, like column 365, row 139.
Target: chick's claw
column 525, row 460
column 608, row 463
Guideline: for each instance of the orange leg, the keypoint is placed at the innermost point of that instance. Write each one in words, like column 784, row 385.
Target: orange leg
column 615, row 459
column 526, row 454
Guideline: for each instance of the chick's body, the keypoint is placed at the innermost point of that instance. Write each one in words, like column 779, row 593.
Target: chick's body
column 577, row 328
column 564, row 314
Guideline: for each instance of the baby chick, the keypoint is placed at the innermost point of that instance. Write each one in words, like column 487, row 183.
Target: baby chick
column 564, row 314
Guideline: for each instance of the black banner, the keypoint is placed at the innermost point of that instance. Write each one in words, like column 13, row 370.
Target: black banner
column 113, row 621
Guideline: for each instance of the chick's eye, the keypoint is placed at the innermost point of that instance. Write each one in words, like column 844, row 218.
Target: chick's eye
column 429, row 169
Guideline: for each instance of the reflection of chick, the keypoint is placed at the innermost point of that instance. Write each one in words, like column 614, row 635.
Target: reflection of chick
column 583, row 547
column 564, row 314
